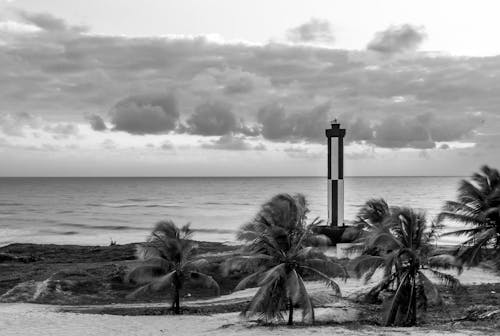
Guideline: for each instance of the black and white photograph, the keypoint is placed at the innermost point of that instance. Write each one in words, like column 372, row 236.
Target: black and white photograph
column 249, row 167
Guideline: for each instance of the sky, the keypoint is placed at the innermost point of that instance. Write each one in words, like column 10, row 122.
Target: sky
column 247, row 88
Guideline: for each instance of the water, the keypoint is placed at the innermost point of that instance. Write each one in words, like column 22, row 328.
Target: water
column 93, row 211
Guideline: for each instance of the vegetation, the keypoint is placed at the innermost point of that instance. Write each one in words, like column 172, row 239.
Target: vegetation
column 168, row 262
column 281, row 249
column 478, row 208
column 398, row 241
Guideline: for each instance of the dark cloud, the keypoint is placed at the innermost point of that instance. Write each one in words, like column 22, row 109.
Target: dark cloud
column 444, row 146
column 315, row 30
column 212, row 118
column 306, row 125
column 397, row 39
column 146, row 114
column 396, row 132
column 359, row 130
column 232, row 142
column 422, row 131
column 239, row 85
column 96, row 122
column 49, row 23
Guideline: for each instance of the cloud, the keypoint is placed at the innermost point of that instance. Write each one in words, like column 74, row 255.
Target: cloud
column 359, row 130
column 273, row 88
column 231, row 142
column 146, row 114
column 109, row 144
column 167, row 145
column 212, row 118
column 422, row 131
column 49, row 23
column 62, row 130
column 96, row 122
column 444, row 146
column 397, row 39
column 315, row 30
column 308, row 125
column 396, row 132
column 14, row 124
column 237, row 85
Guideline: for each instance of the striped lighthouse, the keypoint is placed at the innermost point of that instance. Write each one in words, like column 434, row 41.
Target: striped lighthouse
column 335, row 137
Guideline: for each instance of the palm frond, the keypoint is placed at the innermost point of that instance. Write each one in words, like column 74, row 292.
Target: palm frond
column 197, row 264
column 465, row 232
column 154, row 286
column 305, row 302
column 274, row 273
column 461, row 218
column 445, row 261
column 367, row 264
column 144, row 274
column 446, row 279
column 430, row 288
column 247, row 281
column 205, row 280
column 374, row 211
column 328, row 281
column 328, row 267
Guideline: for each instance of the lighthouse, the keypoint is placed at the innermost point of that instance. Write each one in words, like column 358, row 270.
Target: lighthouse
column 335, row 138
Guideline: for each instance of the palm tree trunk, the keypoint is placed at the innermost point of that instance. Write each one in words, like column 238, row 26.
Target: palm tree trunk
column 177, row 306
column 290, row 311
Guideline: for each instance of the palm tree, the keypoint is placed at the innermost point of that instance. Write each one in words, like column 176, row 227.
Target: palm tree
column 168, row 261
column 278, row 250
column 405, row 251
column 478, row 207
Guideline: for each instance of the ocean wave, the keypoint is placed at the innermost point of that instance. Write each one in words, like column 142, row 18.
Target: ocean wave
column 11, row 204
column 138, row 199
column 104, row 227
column 134, row 205
column 62, row 233
column 227, row 203
column 214, row 230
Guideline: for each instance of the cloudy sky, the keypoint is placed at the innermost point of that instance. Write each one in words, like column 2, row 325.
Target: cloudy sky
column 239, row 88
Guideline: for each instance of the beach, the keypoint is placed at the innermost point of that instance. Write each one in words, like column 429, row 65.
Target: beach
column 108, row 312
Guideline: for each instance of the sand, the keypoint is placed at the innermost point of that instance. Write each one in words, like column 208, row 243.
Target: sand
column 49, row 320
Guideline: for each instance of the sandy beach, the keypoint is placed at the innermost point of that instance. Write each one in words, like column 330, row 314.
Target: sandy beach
column 338, row 318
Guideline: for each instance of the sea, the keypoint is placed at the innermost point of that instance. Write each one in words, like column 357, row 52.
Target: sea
column 96, row 211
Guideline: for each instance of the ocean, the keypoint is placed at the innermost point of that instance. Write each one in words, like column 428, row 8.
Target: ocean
column 94, row 211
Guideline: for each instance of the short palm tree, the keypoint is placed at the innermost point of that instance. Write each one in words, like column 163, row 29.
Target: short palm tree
column 478, row 207
column 168, row 261
column 279, row 252
column 405, row 251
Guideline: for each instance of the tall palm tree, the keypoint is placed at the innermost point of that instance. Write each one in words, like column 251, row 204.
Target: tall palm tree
column 279, row 251
column 478, row 208
column 405, row 251
column 168, row 261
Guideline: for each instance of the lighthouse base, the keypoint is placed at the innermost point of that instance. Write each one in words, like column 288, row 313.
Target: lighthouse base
column 339, row 234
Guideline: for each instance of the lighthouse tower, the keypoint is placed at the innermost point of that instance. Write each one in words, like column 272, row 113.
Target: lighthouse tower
column 335, row 137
